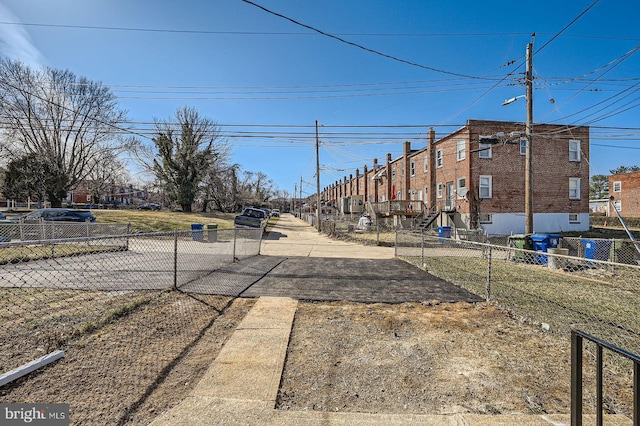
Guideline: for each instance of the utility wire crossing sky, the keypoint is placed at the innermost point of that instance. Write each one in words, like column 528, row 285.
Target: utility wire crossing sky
column 374, row 73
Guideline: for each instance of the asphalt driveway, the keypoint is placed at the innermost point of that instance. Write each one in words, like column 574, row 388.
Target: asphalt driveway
column 298, row 262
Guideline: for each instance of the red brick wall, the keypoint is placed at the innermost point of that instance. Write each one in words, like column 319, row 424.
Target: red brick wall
column 551, row 168
column 629, row 195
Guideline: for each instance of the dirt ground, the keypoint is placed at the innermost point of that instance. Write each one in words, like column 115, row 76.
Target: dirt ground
column 422, row 358
column 343, row 356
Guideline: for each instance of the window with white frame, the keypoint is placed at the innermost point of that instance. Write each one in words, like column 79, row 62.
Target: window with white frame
column 574, row 188
column 412, row 168
column 425, row 166
column 484, row 150
column 618, row 205
column 484, row 189
column 439, row 158
column 393, row 172
column 426, row 194
column 574, row 150
column 523, row 146
column 617, row 186
column 461, row 151
column 461, row 188
column 574, row 218
column 439, row 190
column 485, row 218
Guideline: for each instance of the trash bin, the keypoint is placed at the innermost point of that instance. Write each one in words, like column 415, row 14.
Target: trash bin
column 212, row 232
column 598, row 249
column 197, row 231
column 540, row 244
column 444, row 232
column 553, row 240
column 556, row 262
column 623, row 252
column 522, row 242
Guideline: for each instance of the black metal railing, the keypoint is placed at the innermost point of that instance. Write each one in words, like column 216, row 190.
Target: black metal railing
column 577, row 338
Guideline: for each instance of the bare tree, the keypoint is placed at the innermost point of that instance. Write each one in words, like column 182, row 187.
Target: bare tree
column 220, row 189
column 255, row 189
column 108, row 172
column 66, row 121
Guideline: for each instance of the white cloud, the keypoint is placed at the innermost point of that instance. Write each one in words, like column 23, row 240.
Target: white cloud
column 15, row 41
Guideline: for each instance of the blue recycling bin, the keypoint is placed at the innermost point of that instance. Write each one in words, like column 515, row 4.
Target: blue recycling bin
column 597, row 249
column 554, row 240
column 444, row 232
column 541, row 242
column 197, row 231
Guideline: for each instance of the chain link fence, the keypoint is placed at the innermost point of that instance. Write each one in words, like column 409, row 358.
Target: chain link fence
column 585, row 284
column 574, row 285
column 563, row 287
column 46, row 230
column 123, row 307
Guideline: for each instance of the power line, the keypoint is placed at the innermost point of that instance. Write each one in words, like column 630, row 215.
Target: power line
column 359, row 46
column 291, row 33
column 566, row 27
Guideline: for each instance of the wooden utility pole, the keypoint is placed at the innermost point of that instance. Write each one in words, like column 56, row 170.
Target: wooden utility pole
column 293, row 199
column 318, row 208
column 528, row 182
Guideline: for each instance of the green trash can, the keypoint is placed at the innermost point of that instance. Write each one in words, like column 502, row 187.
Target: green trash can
column 522, row 242
column 212, row 232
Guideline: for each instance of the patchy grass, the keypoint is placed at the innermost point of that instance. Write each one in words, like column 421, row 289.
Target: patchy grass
column 591, row 299
column 161, row 221
column 18, row 254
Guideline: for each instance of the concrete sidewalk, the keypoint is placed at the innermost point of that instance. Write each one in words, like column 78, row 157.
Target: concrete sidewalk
column 291, row 236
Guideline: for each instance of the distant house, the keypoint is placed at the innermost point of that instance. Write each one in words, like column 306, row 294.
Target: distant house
column 474, row 178
column 599, row 206
column 625, row 190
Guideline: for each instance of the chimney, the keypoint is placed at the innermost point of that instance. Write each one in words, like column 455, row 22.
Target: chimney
column 432, row 136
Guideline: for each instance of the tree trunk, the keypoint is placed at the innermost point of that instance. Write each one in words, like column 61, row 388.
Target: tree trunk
column 186, row 208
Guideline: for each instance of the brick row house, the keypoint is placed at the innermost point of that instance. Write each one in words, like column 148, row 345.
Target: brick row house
column 474, row 178
column 625, row 190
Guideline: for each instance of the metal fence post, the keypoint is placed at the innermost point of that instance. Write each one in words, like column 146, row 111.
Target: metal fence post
column 576, row 379
column 488, row 287
column 422, row 262
column 235, row 233
column 175, row 260
column 128, row 233
column 396, row 244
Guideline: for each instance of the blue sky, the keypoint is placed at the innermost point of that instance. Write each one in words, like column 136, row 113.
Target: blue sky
column 266, row 80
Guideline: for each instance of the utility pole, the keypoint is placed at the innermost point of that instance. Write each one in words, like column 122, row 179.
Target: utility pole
column 300, row 198
column 318, row 208
column 293, row 199
column 528, row 169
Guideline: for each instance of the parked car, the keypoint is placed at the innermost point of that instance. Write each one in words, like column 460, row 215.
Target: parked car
column 150, row 206
column 266, row 211
column 251, row 218
column 275, row 213
column 59, row 215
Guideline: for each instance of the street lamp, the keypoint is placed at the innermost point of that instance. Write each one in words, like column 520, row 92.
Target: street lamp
column 512, row 100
